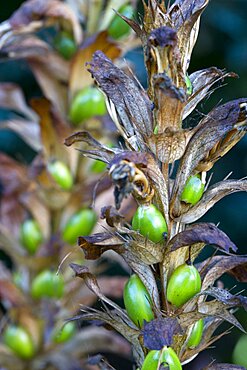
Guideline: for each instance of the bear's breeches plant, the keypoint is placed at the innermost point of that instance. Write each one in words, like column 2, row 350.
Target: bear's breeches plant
column 172, row 307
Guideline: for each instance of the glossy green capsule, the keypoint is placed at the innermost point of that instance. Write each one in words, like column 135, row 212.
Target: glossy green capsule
column 196, row 334
column 65, row 44
column 61, row 174
column 47, row 284
column 19, row 341
column 118, row 27
column 188, row 85
column 150, row 222
column 193, row 190
column 168, row 358
column 81, row 223
column 30, row 236
column 64, row 334
column 137, row 301
column 87, row 103
column 184, row 283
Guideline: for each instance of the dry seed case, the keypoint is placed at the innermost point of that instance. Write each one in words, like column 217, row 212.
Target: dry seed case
column 151, row 125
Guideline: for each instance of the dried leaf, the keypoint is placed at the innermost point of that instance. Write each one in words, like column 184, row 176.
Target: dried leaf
column 98, row 151
column 202, row 81
column 210, row 197
column 207, row 134
column 131, row 102
column 240, row 272
column 79, row 77
column 48, row 12
column 159, row 332
column 214, row 267
column 12, row 98
column 225, row 297
column 204, row 232
column 95, row 245
column 53, row 129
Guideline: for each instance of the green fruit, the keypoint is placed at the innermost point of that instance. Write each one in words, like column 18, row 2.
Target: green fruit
column 137, row 301
column 81, row 223
column 118, row 27
column 188, row 85
column 47, row 284
column 30, row 235
column 168, row 357
column 239, row 352
column 61, row 174
column 65, row 333
column 193, row 190
column 150, row 222
column 19, row 341
column 184, row 283
column 87, row 103
column 196, row 334
column 65, row 44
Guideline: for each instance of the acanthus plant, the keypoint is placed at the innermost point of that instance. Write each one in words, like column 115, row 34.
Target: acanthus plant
column 151, row 125
column 46, row 203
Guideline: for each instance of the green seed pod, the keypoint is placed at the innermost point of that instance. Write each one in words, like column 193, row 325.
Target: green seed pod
column 65, row 44
column 87, row 103
column 238, row 355
column 19, row 341
column 188, row 85
column 137, row 301
column 81, row 223
column 168, row 357
column 196, row 334
column 193, row 190
column 61, row 174
column 184, row 283
column 30, row 235
column 150, row 222
column 47, row 284
column 118, row 27
column 64, row 334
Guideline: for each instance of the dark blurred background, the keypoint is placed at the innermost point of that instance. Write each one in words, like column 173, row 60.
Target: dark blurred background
column 222, row 43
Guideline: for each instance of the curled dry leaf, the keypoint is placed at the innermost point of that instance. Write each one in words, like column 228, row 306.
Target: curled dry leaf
column 210, row 131
column 204, row 232
column 211, row 196
column 159, row 332
column 48, row 13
